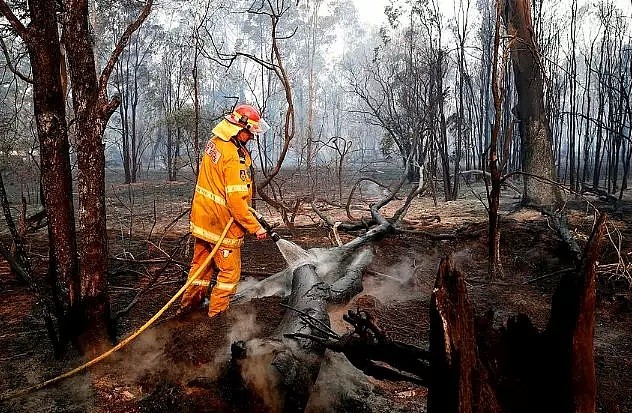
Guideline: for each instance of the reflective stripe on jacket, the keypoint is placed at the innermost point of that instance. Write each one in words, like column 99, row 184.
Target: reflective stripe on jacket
column 224, row 189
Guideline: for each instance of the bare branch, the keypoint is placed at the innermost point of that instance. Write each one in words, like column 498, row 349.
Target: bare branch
column 107, row 71
column 10, row 65
column 17, row 25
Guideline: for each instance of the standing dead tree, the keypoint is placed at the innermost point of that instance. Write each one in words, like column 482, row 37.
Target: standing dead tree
column 493, row 196
column 274, row 63
column 535, row 131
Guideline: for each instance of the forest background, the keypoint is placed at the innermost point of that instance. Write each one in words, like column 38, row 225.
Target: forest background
column 135, row 88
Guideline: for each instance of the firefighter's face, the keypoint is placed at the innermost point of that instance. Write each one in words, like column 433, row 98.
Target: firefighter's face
column 244, row 135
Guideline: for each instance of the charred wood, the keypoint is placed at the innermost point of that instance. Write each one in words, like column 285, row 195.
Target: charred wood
column 459, row 379
column 559, row 221
column 371, row 350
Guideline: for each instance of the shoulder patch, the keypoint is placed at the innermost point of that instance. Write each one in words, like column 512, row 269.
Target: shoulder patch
column 212, row 151
column 242, row 175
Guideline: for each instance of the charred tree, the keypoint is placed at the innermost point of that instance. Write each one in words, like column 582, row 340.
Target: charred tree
column 281, row 369
column 535, row 131
column 92, row 109
column 80, row 287
column 92, row 112
column 475, row 367
column 570, row 332
column 493, row 195
column 42, row 41
column 459, row 380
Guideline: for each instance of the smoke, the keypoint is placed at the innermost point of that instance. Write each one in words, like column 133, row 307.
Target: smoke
column 244, row 327
column 396, row 283
column 144, row 355
column 258, row 373
column 342, row 387
column 278, row 284
column 463, row 259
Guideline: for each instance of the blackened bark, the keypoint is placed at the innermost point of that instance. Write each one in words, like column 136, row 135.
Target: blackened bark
column 458, row 380
column 43, row 45
column 535, row 132
column 493, row 195
column 571, row 332
column 281, row 369
column 90, row 120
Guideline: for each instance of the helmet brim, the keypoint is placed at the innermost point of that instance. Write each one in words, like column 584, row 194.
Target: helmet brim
column 261, row 128
column 258, row 129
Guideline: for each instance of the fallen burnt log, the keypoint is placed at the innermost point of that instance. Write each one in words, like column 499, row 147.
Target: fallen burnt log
column 282, row 368
column 371, row 350
column 281, row 371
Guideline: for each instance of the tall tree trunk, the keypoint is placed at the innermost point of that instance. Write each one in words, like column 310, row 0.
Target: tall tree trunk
column 535, row 133
column 42, row 41
column 442, row 136
column 91, row 114
column 493, row 195
column 196, row 108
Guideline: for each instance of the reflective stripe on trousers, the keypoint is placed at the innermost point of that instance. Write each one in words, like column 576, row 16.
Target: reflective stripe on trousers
column 211, row 237
column 223, row 285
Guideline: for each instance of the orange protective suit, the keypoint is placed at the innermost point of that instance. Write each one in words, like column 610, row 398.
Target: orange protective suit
column 224, row 189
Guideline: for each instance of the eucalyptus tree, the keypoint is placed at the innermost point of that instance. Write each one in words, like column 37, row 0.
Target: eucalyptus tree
column 401, row 86
column 535, row 132
column 131, row 82
column 176, row 89
column 80, row 285
column 267, row 55
column 462, row 125
column 16, row 127
column 617, row 84
column 482, row 79
column 312, row 66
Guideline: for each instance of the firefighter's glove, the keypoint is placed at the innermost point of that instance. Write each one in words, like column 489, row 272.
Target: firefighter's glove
column 261, row 233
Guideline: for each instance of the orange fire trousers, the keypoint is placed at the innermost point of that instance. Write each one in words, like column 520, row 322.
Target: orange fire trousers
column 222, row 282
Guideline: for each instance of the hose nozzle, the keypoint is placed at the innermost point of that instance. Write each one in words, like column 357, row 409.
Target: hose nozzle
column 275, row 237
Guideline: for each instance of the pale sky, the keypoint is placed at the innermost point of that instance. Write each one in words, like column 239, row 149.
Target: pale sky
column 372, row 11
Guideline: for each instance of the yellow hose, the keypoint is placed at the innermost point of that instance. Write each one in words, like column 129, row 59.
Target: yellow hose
column 127, row 340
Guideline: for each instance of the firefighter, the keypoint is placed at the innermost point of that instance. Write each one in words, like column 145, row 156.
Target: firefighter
column 224, row 189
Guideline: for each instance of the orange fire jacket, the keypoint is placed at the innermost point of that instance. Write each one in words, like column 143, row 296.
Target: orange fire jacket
column 224, row 189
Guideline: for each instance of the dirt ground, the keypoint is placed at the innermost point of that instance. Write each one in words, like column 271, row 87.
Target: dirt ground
column 174, row 366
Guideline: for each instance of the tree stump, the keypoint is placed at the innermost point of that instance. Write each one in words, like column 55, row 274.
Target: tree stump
column 477, row 368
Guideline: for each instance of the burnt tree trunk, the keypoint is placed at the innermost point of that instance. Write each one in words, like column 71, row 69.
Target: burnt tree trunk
column 459, row 380
column 493, row 195
column 477, row 368
column 92, row 111
column 535, row 131
column 290, row 358
column 91, row 119
column 571, row 331
column 293, row 362
column 42, row 41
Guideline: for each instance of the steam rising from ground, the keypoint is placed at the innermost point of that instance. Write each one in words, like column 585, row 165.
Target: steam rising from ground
column 146, row 354
column 394, row 284
column 258, row 373
column 243, row 327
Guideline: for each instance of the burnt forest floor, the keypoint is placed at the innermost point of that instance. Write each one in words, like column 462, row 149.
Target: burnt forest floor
column 169, row 367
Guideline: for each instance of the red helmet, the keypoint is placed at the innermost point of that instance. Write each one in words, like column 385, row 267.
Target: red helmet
column 249, row 118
